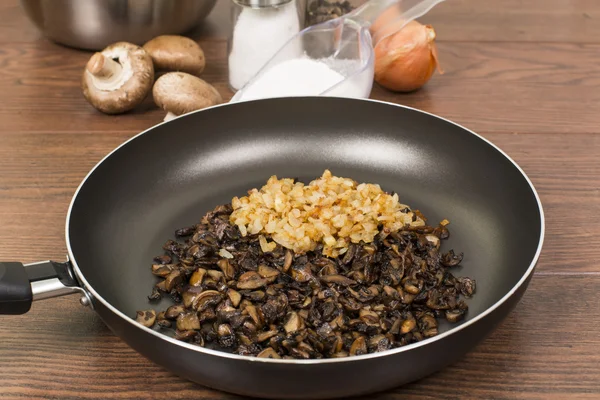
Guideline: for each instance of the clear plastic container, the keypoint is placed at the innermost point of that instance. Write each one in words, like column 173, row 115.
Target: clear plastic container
column 345, row 48
column 343, row 44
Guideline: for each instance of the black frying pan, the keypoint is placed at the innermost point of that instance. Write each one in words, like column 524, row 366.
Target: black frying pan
column 172, row 174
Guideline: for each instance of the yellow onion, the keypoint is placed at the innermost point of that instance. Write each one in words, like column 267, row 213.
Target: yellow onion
column 406, row 59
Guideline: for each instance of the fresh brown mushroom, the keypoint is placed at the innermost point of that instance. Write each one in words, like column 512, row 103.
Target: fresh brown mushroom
column 118, row 79
column 179, row 93
column 176, row 53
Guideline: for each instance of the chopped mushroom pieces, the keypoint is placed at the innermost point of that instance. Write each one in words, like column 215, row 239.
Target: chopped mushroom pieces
column 376, row 296
column 146, row 318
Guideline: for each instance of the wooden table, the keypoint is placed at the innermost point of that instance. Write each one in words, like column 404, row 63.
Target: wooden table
column 523, row 73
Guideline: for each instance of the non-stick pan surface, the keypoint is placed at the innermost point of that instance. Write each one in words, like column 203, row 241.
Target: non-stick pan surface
column 174, row 173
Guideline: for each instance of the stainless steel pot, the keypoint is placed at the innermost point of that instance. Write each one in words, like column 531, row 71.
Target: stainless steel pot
column 94, row 24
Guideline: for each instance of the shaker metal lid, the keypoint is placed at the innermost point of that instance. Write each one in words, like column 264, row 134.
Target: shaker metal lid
column 261, row 3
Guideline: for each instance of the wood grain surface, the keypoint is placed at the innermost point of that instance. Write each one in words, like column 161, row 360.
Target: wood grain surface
column 522, row 73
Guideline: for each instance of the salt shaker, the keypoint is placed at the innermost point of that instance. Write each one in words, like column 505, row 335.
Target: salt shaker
column 259, row 29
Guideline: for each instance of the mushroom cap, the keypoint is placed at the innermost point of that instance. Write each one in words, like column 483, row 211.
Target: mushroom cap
column 176, row 53
column 181, row 93
column 127, row 87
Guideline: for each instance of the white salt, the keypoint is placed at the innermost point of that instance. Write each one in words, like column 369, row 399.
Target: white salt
column 296, row 77
column 257, row 35
column 359, row 77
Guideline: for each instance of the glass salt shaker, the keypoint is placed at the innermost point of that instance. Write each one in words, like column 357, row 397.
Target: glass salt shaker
column 259, row 29
column 318, row 11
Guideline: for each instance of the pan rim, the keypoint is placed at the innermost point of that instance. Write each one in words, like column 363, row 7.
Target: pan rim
column 391, row 352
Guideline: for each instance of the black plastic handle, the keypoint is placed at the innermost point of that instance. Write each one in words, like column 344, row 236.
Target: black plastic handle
column 16, row 294
column 15, row 290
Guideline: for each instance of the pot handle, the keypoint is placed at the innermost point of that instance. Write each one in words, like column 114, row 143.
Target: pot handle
column 21, row 284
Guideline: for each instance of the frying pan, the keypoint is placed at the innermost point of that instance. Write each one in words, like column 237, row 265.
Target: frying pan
column 170, row 175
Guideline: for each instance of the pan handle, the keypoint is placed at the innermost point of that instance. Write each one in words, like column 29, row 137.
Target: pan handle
column 21, row 284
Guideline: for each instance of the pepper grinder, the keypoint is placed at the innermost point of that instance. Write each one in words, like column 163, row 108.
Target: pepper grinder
column 318, row 11
column 259, row 29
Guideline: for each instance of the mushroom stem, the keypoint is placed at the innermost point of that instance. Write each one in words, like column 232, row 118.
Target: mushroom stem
column 103, row 67
column 170, row 116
